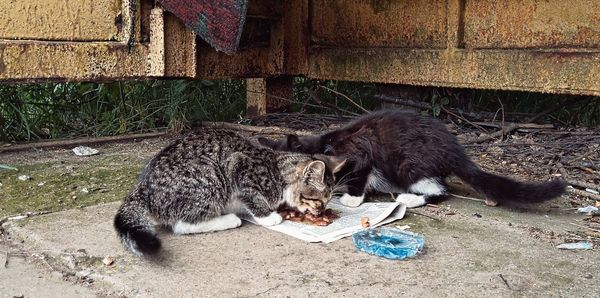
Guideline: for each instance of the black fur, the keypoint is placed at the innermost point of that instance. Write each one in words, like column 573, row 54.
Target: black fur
column 405, row 148
column 135, row 229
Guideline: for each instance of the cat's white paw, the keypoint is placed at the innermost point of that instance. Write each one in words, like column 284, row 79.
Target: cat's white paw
column 273, row 219
column 232, row 221
column 351, row 201
column 411, row 200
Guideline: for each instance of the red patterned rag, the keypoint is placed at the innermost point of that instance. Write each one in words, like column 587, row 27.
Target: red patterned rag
column 218, row 22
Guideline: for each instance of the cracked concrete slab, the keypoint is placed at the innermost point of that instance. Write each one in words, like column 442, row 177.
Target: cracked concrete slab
column 496, row 254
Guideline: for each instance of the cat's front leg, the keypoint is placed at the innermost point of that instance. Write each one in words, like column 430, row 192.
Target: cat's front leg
column 258, row 206
column 270, row 220
column 422, row 192
column 352, row 201
column 355, row 194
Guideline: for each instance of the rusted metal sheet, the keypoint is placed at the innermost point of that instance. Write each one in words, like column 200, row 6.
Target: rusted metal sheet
column 37, row 61
column 156, row 56
column 296, row 43
column 379, row 23
column 532, row 45
column 528, row 70
column 180, row 48
column 532, row 24
column 67, row 20
column 249, row 63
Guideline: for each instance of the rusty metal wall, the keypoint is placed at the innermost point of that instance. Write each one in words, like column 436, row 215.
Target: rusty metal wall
column 60, row 40
column 532, row 45
column 81, row 20
column 532, row 24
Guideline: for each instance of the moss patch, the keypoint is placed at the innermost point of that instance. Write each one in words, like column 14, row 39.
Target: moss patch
column 63, row 185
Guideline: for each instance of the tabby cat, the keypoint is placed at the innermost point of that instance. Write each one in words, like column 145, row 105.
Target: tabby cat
column 402, row 152
column 203, row 180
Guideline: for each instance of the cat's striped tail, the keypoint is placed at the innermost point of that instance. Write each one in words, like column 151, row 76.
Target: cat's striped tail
column 135, row 228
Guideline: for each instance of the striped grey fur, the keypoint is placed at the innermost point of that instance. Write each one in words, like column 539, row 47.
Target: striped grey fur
column 204, row 179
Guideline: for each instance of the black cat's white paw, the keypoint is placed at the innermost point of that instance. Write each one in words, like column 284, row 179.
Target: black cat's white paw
column 411, row 200
column 351, row 201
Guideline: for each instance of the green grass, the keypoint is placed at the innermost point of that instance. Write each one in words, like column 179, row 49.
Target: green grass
column 42, row 111
column 564, row 110
column 62, row 110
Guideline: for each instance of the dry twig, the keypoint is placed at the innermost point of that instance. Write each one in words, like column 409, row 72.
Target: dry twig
column 80, row 141
column 583, row 184
column 346, row 97
column 583, row 193
column 425, row 215
column 591, row 229
column 264, row 130
column 466, row 198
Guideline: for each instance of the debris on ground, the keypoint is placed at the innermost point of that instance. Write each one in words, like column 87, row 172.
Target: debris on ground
column 24, row 177
column 582, row 245
column 84, row 151
column 108, row 261
column 7, row 167
column 589, row 210
column 364, row 222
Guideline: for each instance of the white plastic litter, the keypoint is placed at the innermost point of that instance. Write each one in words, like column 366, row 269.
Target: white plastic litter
column 592, row 191
column 24, row 177
column 583, row 245
column 84, row 151
column 588, row 210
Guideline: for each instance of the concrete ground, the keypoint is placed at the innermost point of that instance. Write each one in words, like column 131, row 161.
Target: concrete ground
column 471, row 250
column 465, row 255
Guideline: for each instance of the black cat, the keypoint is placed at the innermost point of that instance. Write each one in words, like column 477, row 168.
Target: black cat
column 402, row 152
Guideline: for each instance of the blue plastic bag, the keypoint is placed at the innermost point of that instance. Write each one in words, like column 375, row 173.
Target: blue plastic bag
column 390, row 243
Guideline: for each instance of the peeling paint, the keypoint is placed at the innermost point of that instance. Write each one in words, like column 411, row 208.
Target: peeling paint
column 67, row 20
column 362, row 23
column 532, row 45
column 34, row 61
column 532, row 24
column 575, row 73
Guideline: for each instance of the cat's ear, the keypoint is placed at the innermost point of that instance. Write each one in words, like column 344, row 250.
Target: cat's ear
column 293, row 143
column 315, row 170
column 273, row 144
column 333, row 163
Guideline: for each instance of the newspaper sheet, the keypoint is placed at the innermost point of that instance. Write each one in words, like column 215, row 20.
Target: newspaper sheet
column 379, row 213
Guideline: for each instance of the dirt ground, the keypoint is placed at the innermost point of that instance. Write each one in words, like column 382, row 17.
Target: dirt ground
column 471, row 249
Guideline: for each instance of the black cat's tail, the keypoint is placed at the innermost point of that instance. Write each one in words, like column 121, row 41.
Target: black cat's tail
column 503, row 189
column 134, row 227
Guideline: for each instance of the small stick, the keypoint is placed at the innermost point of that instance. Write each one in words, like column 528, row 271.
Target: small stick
column 505, row 281
column 466, row 198
column 267, row 130
column 465, row 119
column 583, row 184
column 502, row 107
column 583, row 193
column 592, row 229
column 425, row 215
column 88, row 141
column 346, row 97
